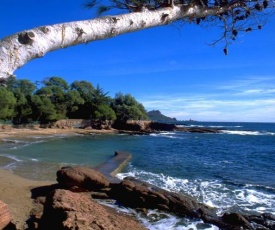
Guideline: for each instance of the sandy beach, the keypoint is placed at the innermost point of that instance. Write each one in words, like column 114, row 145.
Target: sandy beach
column 16, row 193
column 23, row 132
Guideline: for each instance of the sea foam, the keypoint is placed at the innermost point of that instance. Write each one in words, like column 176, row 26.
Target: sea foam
column 216, row 193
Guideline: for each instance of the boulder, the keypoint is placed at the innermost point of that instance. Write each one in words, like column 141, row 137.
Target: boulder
column 5, row 215
column 236, row 219
column 264, row 220
column 67, row 210
column 81, row 178
column 139, row 194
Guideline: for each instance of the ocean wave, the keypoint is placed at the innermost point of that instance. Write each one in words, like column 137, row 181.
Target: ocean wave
column 165, row 134
column 159, row 220
column 184, row 126
column 25, row 144
column 243, row 132
column 212, row 126
column 13, row 141
column 11, row 157
column 216, row 193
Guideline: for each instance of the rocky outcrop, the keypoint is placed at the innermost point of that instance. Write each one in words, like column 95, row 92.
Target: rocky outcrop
column 67, row 210
column 147, row 127
column 81, row 178
column 157, row 126
column 196, row 130
column 71, row 123
column 5, row 215
column 139, row 194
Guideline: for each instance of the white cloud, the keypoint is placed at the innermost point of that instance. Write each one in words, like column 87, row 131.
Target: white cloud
column 209, row 109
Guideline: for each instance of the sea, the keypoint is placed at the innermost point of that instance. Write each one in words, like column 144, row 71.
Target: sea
column 233, row 170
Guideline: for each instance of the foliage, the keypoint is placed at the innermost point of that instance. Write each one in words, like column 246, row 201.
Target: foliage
column 22, row 90
column 127, row 107
column 55, row 99
column 7, row 103
column 43, row 109
column 105, row 112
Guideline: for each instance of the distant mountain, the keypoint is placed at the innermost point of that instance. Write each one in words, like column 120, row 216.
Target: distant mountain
column 156, row 115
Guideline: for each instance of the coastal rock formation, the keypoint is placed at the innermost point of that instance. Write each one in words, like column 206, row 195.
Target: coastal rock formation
column 196, row 130
column 147, row 127
column 67, row 210
column 81, row 178
column 5, row 215
column 71, row 123
column 139, row 194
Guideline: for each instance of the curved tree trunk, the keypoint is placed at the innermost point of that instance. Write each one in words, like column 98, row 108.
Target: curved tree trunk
column 17, row 49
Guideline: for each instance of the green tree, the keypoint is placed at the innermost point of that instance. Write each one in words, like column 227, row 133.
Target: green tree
column 24, row 87
column 85, row 90
column 7, row 103
column 73, row 102
column 43, row 109
column 56, row 82
column 105, row 112
column 101, row 105
column 22, row 90
column 56, row 90
column 127, row 107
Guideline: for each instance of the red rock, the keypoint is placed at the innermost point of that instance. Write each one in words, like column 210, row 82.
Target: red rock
column 5, row 215
column 67, row 210
column 82, row 178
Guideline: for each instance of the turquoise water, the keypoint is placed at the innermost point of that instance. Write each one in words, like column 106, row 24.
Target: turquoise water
column 233, row 170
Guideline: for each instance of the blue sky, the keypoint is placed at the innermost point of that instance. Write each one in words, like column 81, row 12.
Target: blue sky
column 167, row 68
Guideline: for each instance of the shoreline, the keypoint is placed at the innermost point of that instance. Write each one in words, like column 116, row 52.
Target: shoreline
column 22, row 132
column 16, row 190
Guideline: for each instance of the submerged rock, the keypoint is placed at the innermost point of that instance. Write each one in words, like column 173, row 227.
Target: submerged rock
column 67, row 210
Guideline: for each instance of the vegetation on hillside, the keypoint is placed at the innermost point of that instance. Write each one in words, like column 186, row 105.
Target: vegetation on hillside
column 22, row 101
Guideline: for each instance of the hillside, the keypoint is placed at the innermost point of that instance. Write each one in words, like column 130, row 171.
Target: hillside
column 156, row 115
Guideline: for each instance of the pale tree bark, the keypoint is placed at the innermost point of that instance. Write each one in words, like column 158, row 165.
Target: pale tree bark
column 17, row 49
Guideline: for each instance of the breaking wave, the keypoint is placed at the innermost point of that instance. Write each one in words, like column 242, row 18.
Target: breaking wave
column 226, row 196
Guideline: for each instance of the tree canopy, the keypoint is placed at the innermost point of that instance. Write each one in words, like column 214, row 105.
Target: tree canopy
column 22, row 102
column 127, row 107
